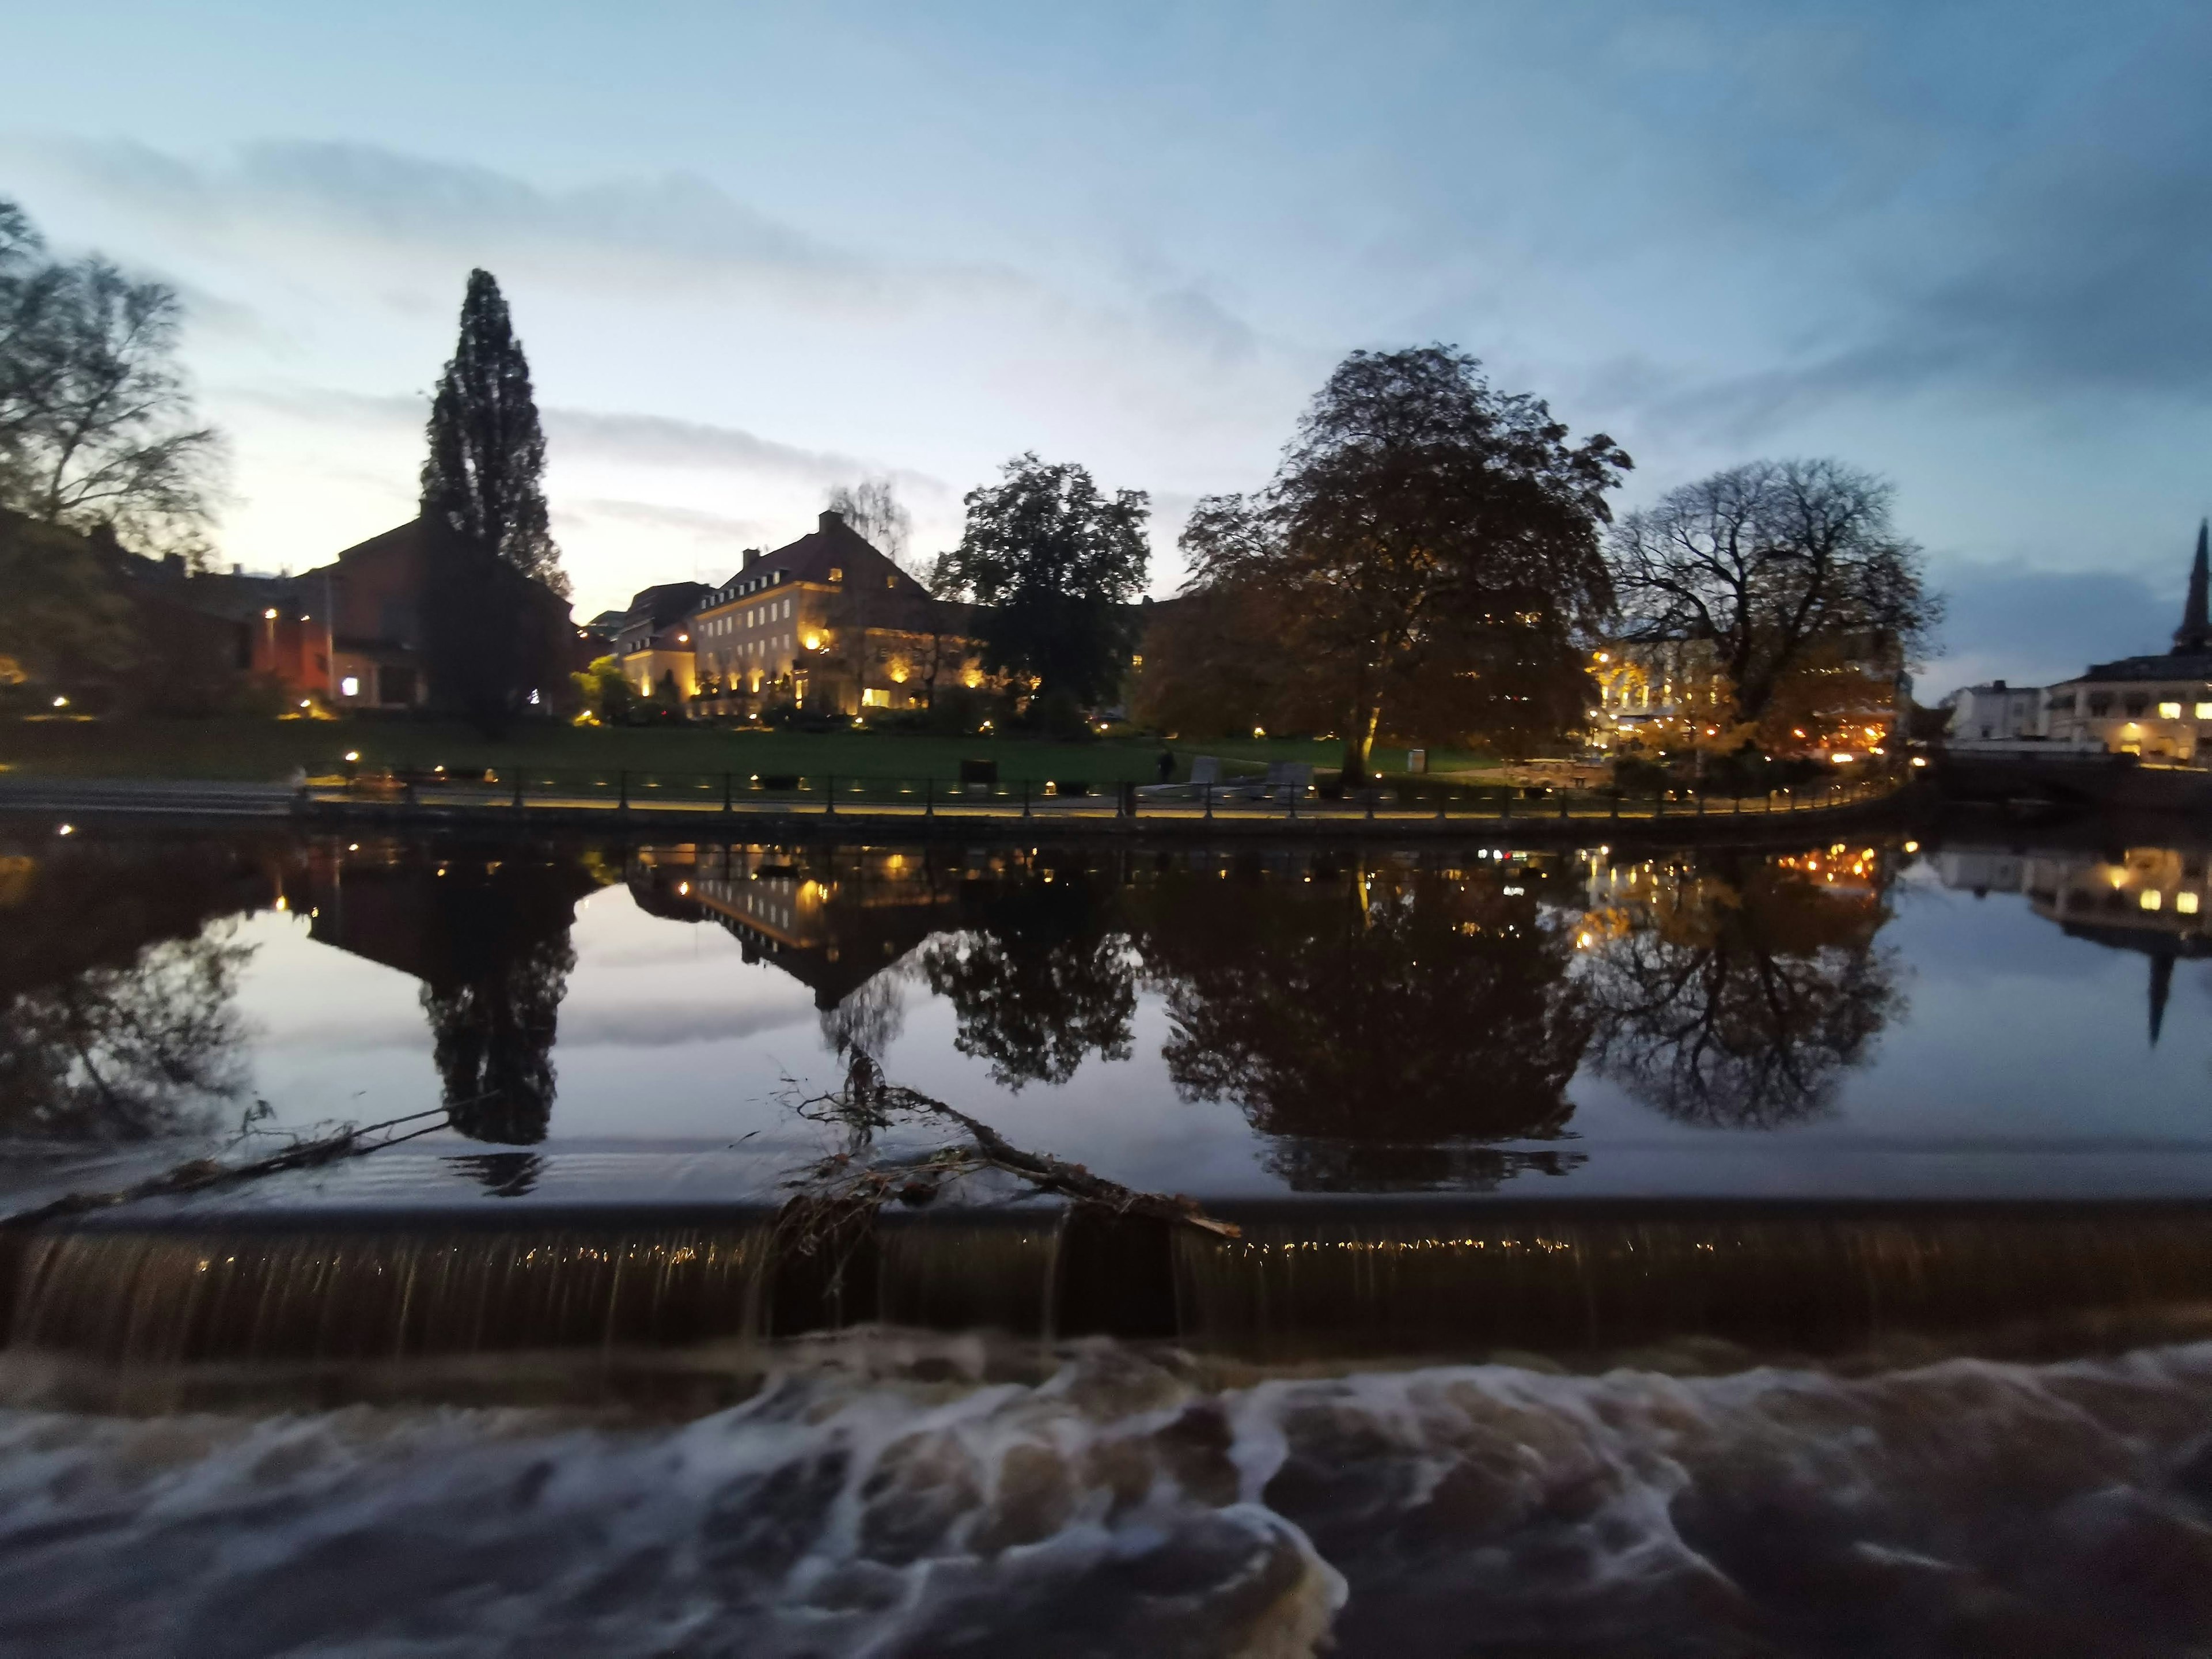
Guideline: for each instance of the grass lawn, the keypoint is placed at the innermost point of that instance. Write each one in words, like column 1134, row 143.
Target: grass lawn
column 266, row 749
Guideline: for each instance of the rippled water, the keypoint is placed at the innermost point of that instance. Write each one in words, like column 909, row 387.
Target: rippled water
column 1763, row 1250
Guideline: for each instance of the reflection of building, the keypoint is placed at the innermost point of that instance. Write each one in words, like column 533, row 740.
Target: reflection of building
column 2157, row 706
column 832, row 920
column 2153, row 900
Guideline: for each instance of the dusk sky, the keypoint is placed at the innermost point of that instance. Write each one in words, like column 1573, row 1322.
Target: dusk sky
column 755, row 252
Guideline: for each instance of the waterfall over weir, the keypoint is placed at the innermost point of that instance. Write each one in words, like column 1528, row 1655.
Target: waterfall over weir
column 1306, row 1279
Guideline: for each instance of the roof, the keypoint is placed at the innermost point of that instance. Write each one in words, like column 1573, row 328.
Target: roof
column 664, row 602
column 2171, row 665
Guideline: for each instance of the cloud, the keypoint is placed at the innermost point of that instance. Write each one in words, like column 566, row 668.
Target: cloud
column 2036, row 627
column 667, row 224
column 653, row 1025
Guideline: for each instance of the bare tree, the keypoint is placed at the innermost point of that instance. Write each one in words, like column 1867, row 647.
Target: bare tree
column 872, row 508
column 96, row 421
column 1772, row 562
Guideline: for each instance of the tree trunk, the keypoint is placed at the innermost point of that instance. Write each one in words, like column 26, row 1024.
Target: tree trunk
column 1359, row 740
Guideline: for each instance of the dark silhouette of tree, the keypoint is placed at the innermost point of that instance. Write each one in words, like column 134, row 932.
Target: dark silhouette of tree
column 497, row 965
column 1740, row 995
column 485, row 478
column 1434, row 543
column 118, row 974
column 1053, row 562
column 1772, row 562
column 97, row 427
column 1374, row 1023
column 1043, row 980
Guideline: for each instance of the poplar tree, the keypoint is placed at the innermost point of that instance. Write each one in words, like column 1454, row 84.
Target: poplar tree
column 484, row 480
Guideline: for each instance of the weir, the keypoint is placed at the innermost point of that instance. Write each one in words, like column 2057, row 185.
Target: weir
column 1307, row 1278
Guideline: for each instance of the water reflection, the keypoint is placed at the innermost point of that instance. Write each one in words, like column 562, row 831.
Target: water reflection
column 1373, row 1021
column 2150, row 900
column 486, row 931
column 118, row 974
column 1737, row 989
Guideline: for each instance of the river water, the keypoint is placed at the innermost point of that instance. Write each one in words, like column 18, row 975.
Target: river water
column 1773, row 1250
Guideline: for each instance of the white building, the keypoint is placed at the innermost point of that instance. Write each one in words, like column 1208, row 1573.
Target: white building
column 2161, row 707
column 1996, row 712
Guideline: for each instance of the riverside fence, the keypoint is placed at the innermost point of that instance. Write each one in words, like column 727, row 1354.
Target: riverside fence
column 524, row 792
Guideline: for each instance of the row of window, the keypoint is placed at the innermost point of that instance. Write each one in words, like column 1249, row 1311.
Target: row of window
column 2133, row 705
column 718, row 626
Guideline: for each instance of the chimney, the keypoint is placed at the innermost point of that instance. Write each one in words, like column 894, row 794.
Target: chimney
column 1996, row 685
column 832, row 519
column 751, row 556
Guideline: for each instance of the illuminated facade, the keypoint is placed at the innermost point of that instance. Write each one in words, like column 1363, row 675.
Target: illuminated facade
column 2159, row 707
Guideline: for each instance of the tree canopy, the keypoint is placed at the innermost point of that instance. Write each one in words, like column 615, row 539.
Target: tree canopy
column 485, row 478
column 1053, row 561
column 1433, row 545
column 97, row 427
column 1775, row 562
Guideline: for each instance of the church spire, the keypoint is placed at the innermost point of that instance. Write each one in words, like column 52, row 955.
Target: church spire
column 2195, row 634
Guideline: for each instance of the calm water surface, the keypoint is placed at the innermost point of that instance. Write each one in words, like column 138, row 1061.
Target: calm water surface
column 1865, row 1411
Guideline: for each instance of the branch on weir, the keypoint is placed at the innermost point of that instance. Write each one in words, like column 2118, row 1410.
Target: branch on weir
column 355, row 1140
column 867, row 1104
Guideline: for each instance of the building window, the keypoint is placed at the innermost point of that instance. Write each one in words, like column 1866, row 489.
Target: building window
column 2100, row 702
column 835, row 574
column 349, row 687
column 2204, row 711
column 2185, row 903
column 2169, row 711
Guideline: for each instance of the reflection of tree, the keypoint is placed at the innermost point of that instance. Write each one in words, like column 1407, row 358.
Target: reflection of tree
column 1039, row 984
column 868, row 1020
column 1377, row 1024
column 1742, row 995
column 125, row 1053
column 115, row 1016
column 496, row 968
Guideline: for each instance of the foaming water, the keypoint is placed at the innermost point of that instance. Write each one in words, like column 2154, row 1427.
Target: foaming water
column 889, row 1494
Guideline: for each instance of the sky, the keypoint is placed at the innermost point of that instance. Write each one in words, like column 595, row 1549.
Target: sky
column 755, row 252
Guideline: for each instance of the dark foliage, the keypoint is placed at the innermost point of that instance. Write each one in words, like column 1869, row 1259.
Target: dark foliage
column 1053, row 561
column 1429, row 545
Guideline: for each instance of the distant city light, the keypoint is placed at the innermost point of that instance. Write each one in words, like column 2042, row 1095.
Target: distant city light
column 1913, row 847
column 66, row 829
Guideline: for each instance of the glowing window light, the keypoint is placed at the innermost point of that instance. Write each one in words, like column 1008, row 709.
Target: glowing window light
column 2150, row 898
column 2185, row 904
column 2169, row 711
column 349, row 686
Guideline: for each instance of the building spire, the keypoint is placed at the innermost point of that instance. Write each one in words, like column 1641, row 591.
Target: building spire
column 2195, row 632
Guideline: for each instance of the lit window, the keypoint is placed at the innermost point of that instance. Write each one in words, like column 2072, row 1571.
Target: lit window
column 2169, row 711
column 2151, row 898
column 2204, row 711
column 835, row 574
column 2185, row 903
column 349, row 686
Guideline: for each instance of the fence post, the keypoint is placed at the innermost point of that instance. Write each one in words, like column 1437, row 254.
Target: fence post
column 1659, row 802
column 829, row 796
column 1025, row 798
column 1505, row 804
column 622, row 787
column 1371, row 792
column 1440, row 806
column 929, row 797
column 517, row 791
column 729, row 802
column 1562, row 807
column 1290, row 794
column 1209, row 798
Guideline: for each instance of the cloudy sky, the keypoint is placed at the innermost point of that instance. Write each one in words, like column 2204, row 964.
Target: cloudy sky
column 758, row 252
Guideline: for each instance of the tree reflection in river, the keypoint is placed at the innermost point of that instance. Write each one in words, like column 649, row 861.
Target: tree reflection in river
column 1375, row 1023
column 1737, row 991
column 117, row 981
column 1041, row 979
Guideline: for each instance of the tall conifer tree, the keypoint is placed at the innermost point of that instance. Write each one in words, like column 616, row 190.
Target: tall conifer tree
column 484, row 477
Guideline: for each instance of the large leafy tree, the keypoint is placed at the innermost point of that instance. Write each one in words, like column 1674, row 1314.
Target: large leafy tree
column 1435, row 545
column 97, row 427
column 484, row 479
column 1779, row 564
column 1053, row 562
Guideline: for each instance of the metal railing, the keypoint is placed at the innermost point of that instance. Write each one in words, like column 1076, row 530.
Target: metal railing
column 645, row 790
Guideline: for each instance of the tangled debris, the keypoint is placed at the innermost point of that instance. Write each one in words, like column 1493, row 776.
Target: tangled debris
column 851, row 1184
